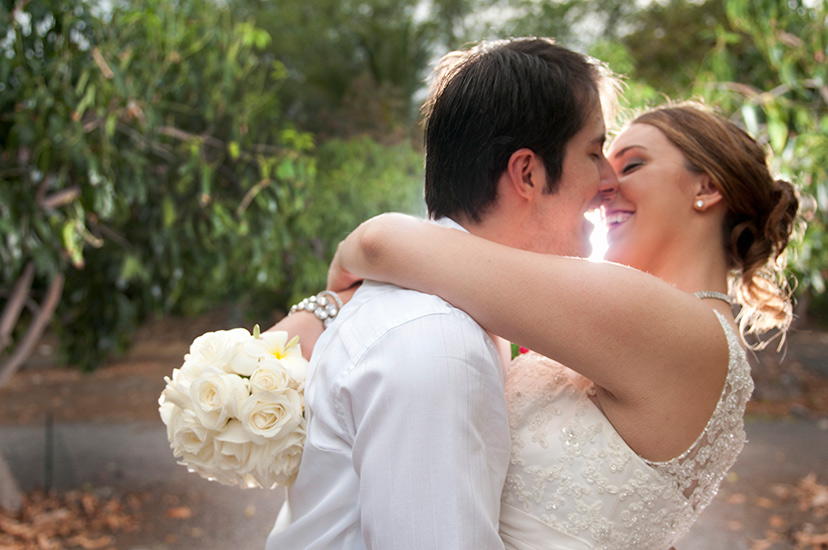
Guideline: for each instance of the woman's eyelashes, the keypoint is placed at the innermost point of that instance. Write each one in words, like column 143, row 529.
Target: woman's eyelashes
column 631, row 165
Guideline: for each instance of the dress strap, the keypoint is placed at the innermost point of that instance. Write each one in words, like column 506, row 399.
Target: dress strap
column 702, row 294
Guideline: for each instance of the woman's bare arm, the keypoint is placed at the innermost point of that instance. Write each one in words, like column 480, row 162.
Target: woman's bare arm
column 613, row 324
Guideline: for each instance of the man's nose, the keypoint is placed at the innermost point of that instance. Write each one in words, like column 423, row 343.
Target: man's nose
column 608, row 184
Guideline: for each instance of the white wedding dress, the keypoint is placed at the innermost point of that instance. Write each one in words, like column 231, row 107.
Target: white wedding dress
column 573, row 483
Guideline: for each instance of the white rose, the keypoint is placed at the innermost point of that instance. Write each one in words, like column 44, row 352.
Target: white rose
column 270, row 376
column 209, row 471
column 244, row 363
column 296, row 369
column 287, row 465
column 175, row 392
column 189, row 439
column 216, row 349
column 232, row 449
column 272, row 414
column 278, row 462
column 170, row 414
column 216, row 395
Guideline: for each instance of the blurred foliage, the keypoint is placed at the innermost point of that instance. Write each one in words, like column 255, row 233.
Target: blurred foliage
column 356, row 66
column 148, row 157
column 168, row 156
column 769, row 69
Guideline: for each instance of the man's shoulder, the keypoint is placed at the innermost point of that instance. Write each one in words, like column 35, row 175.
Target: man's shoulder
column 378, row 309
column 393, row 304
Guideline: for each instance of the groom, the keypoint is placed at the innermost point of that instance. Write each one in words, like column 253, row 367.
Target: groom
column 408, row 440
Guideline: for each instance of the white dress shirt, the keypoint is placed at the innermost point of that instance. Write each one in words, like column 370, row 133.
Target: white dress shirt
column 408, row 439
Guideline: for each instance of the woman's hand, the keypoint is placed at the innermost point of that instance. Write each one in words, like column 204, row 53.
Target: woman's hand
column 358, row 253
column 339, row 278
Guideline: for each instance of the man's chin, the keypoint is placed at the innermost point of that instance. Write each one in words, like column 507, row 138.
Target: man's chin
column 584, row 250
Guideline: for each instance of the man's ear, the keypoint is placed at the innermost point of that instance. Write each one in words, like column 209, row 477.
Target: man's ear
column 706, row 192
column 527, row 176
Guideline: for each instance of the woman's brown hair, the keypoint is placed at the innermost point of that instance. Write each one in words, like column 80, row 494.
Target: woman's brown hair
column 761, row 209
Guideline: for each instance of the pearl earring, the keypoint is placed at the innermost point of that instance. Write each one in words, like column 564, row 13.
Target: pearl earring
column 699, row 204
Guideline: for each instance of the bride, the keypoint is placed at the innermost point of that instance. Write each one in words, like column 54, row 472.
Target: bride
column 625, row 445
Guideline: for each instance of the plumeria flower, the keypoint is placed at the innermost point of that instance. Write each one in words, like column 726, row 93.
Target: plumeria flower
column 274, row 347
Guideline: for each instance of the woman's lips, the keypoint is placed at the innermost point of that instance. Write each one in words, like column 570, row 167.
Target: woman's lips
column 616, row 218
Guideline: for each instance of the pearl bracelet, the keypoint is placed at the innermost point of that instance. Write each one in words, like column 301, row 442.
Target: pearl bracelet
column 325, row 306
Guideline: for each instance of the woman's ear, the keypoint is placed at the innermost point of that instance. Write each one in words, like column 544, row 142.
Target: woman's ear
column 527, row 177
column 707, row 194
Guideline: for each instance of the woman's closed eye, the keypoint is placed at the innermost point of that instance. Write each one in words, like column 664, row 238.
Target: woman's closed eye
column 631, row 165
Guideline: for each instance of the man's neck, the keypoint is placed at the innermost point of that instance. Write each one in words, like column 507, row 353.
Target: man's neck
column 492, row 228
column 482, row 230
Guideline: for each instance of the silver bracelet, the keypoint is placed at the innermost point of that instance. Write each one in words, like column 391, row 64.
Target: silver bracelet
column 325, row 306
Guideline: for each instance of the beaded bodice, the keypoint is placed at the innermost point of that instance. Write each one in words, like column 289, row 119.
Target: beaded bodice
column 574, row 483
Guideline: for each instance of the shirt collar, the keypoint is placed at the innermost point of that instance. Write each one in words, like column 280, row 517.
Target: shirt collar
column 448, row 222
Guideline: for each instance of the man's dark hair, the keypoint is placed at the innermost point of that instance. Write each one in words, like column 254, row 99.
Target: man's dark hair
column 493, row 100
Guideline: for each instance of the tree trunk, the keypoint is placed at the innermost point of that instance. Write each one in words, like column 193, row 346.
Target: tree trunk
column 14, row 305
column 10, row 498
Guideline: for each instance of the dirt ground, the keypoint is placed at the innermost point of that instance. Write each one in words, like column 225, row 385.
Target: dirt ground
column 793, row 382
column 143, row 501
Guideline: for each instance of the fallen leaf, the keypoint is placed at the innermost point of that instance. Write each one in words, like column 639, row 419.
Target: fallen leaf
column 74, row 520
column 805, row 538
column 179, row 512
column 17, row 529
column 736, row 498
column 89, row 503
column 763, row 544
column 763, row 502
column 777, row 522
column 89, row 543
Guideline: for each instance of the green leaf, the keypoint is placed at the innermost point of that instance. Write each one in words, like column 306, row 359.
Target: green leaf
column 168, row 212
column 109, row 128
column 750, row 118
column 132, row 269
column 87, row 100
column 778, row 134
column 234, row 149
column 286, row 170
column 71, row 242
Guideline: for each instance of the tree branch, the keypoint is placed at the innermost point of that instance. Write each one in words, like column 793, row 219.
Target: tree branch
column 26, row 346
column 11, row 313
column 60, row 198
column 156, row 148
column 182, row 135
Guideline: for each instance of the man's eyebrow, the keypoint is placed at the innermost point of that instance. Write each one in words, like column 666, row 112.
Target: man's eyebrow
column 600, row 140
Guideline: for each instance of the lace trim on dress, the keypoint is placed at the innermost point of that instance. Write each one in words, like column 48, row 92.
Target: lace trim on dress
column 711, row 420
column 728, row 413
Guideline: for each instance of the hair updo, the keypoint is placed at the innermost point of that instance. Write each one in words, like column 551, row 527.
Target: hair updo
column 761, row 210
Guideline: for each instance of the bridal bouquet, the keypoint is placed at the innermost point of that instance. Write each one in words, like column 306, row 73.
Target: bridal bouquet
column 234, row 410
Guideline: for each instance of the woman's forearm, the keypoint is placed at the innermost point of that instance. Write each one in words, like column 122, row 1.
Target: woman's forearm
column 307, row 326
